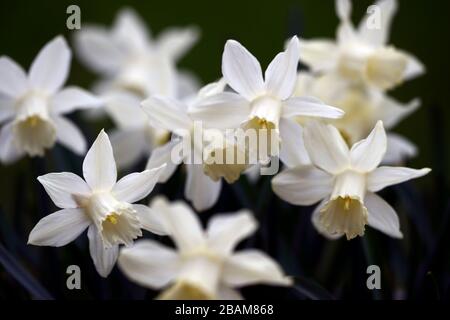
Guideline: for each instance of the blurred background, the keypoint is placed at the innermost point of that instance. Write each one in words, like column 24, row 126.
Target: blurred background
column 417, row 267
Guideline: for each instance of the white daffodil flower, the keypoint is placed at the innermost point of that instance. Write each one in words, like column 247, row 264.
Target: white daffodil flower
column 260, row 103
column 204, row 265
column 100, row 203
column 165, row 113
column 130, row 59
column 346, row 181
column 134, row 66
column 363, row 107
column 33, row 105
column 363, row 54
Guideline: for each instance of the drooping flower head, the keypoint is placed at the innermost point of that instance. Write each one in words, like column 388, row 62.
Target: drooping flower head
column 346, row 181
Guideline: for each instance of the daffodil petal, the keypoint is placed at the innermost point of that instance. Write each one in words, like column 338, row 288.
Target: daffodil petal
column 242, row 70
column 225, row 231
column 292, row 151
column 130, row 30
column 399, row 149
column 13, row 80
column 9, row 152
column 98, row 51
column 137, row 185
column 126, row 153
column 250, row 267
column 176, row 42
column 167, row 113
column 382, row 216
column 64, row 187
column 99, row 166
column 150, row 219
column 367, row 154
column 50, row 68
column 59, row 228
column 281, row 74
column 383, row 177
column 318, row 55
column 326, row 147
column 163, row 155
column 73, row 98
column 315, row 219
column 200, row 188
column 224, row 110
column 149, row 264
column 304, row 185
column 104, row 258
column 69, row 135
column 180, row 222
column 309, row 107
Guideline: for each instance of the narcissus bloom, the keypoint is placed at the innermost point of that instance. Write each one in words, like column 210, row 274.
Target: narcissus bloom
column 134, row 66
column 130, row 59
column 346, row 181
column 33, row 105
column 99, row 203
column 363, row 54
column 204, row 265
column 260, row 103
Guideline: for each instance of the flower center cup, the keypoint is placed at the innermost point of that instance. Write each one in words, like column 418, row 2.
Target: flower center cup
column 264, row 120
column 33, row 129
column 345, row 213
column 386, row 67
column 199, row 277
column 116, row 221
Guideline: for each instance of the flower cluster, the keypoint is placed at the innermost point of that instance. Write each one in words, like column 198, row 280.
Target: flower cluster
column 326, row 125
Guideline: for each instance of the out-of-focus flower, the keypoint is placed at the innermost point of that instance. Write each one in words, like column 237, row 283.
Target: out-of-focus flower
column 204, row 266
column 346, row 181
column 100, row 203
column 135, row 66
column 362, row 54
column 132, row 125
column 260, row 103
column 130, row 59
column 33, row 105
column 363, row 107
column 169, row 114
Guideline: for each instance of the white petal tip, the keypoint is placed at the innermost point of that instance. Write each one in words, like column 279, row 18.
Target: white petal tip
column 232, row 43
column 379, row 125
column 294, row 40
